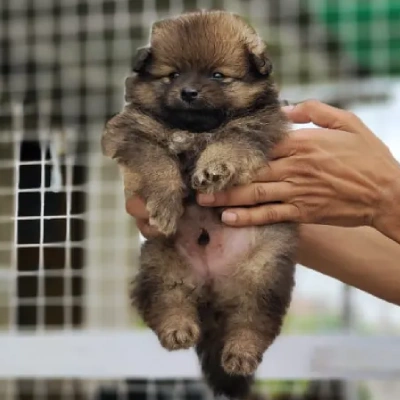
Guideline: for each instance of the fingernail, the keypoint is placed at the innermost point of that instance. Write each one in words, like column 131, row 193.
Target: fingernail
column 206, row 198
column 228, row 216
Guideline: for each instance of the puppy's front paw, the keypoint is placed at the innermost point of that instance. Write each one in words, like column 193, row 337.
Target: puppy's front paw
column 181, row 141
column 213, row 177
column 165, row 214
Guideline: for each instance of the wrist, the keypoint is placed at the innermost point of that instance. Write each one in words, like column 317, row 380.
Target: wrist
column 387, row 216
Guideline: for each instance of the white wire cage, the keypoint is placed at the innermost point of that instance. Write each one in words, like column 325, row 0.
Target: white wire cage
column 68, row 249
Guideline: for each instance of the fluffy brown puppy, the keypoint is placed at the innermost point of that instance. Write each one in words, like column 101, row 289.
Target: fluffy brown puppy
column 202, row 114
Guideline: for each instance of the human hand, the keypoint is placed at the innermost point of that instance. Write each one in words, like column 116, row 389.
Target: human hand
column 136, row 207
column 339, row 174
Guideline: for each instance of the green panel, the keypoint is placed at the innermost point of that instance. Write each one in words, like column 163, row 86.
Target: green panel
column 368, row 30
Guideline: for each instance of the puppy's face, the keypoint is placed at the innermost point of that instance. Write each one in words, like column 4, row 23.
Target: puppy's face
column 201, row 69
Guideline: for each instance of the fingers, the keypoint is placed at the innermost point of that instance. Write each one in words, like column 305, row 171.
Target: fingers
column 268, row 186
column 261, row 215
column 252, row 194
column 136, row 207
column 146, row 230
column 324, row 116
column 275, row 171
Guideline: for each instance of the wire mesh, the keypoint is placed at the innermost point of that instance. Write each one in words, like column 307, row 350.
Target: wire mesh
column 67, row 247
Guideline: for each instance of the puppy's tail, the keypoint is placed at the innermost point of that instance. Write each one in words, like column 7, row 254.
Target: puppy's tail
column 209, row 351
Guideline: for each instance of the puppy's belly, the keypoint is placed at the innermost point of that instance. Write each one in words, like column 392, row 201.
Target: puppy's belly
column 211, row 248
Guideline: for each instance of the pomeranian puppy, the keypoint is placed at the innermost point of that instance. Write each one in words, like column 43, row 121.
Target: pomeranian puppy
column 201, row 115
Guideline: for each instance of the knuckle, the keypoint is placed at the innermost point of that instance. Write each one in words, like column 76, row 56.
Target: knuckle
column 303, row 140
column 311, row 104
column 300, row 167
column 302, row 137
column 307, row 170
column 299, row 213
column 350, row 116
column 271, row 215
column 259, row 193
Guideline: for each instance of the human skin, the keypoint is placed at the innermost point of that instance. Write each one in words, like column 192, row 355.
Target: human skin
column 341, row 183
column 340, row 175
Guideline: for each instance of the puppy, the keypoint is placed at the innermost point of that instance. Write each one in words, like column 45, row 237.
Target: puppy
column 202, row 115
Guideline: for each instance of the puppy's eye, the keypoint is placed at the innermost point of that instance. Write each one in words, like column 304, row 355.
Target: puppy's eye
column 174, row 75
column 218, row 75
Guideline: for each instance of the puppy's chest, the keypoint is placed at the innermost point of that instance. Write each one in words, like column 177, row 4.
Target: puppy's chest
column 187, row 147
column 187, row 165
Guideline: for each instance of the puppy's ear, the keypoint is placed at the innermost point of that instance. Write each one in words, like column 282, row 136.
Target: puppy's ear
column 139, row 64
column 128, row 89
column 262, row 63
column 141, row 59
column 258, row 56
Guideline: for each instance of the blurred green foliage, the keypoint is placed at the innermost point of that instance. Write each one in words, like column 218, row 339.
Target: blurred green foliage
column 368, row 30
column 315, row 323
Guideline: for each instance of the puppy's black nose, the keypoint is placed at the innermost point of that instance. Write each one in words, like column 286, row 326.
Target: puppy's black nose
column 189, row 94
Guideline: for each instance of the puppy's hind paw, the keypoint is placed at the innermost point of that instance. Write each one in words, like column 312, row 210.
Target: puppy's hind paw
column 179, row 334
column 239, row 360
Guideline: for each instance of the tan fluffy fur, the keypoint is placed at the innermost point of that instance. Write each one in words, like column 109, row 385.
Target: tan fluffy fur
column 165, row 156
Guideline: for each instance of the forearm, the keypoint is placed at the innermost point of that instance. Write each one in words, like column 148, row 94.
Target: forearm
column 361, row 257
column 387, row 220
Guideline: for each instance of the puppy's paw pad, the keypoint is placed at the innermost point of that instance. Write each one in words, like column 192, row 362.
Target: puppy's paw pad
column 238, row 361
column 180, row 334
column 213, row 178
